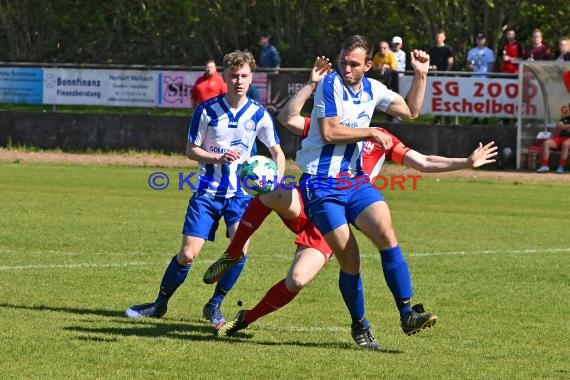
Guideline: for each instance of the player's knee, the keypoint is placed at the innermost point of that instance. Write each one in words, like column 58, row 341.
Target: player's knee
column 388, row 238
column 295, row 283
column 185, row 256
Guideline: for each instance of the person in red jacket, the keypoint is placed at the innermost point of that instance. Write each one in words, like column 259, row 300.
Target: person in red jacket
column 511, row 51
column 208, row 85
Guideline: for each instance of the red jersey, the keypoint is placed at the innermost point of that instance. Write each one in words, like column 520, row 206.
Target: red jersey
column 513, row 50
column 540, row 53
column 373, row 155
column 206, row 87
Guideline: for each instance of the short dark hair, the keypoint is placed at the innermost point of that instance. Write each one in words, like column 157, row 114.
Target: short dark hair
column 358, row 41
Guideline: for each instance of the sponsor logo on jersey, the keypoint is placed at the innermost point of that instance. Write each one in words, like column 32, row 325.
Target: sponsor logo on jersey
column 217, row 149
column 368, row 146
column 364, row 115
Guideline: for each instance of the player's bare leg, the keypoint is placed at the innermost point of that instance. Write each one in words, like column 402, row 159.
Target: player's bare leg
column 376, row 223
column 564, row 148
column 283, row 201
column 307, row 264
column 547, row 145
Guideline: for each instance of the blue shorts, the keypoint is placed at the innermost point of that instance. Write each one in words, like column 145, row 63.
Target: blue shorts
column 204, row 213
column 331, row 202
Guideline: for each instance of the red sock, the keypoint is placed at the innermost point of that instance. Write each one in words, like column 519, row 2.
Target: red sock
column 562, row 163
column 252, row 218
column 544, row 162
column 275, row 298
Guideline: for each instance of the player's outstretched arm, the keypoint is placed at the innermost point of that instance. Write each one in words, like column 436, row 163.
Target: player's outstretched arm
column 482, row 155
column 290, row 115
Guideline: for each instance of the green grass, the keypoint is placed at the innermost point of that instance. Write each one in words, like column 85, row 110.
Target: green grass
column 79, row 244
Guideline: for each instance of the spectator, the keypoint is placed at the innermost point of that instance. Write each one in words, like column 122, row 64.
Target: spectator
column 400, row 54
column 511, row 50
column 208, row 85
column 564, row 47
column 441, row 54
column 384, row 63
column 480, row 59
column 561, row 142
column 269, row 55
column 538, row 51
column 441, row 59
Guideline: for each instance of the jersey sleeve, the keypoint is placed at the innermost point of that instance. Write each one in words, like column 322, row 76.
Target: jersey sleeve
column 385, row 97
column 328, row 97
column 198, row 126
column 398, row 150
column 266, row 132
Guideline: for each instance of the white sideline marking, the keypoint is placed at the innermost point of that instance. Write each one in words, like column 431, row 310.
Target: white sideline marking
column 482, row 252
column 68, row 266
column 279, row 257
column 440, row 253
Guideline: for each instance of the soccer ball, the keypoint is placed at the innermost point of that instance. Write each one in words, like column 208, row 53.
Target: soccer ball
column 258, row 175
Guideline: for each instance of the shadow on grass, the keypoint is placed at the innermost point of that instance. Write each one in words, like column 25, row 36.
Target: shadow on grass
column 72, row 310
column 194, row 330
column 330, row 345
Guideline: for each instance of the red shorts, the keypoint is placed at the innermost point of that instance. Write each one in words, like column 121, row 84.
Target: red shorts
column 559, row 141
column 307, row 233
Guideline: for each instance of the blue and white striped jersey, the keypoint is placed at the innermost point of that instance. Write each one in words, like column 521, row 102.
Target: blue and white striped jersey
column 333, row 98
column 217, row 128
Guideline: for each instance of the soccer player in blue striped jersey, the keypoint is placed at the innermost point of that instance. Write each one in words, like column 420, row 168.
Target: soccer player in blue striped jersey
column 335, row 189
column 221, row 136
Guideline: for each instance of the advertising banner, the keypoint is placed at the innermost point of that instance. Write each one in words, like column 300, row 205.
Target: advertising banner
column 121, row 88
column 477, row 97
column 280, row 87
column 21, row 85
column 174, row 88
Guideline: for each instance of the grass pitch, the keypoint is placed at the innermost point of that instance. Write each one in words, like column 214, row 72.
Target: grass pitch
column 80, row 243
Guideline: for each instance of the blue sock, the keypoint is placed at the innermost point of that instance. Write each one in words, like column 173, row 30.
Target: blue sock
column 397, row 277
column 174, row 276
column 227, row 282
column 350, row 286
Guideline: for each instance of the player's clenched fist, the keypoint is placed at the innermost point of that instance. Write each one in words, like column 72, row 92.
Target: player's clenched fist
column 420, row 61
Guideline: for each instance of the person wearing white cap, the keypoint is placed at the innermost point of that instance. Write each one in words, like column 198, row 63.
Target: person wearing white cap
column 400, row 54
